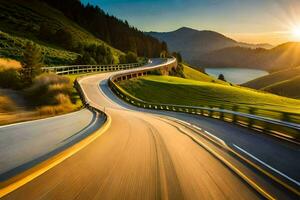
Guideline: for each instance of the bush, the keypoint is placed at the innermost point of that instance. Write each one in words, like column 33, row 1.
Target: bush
column 64, row 105
column 46, row 88
column 65, row 38
column 85, row 59
column 122, row 59
column 10, row 78
column 178, row 71
column 131, row 57
column 6, row 104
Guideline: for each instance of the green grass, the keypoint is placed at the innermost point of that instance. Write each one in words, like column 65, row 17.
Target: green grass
column 174, row 90
column 285, row 83
column 194, row 74
column 12, row 47
column 20, row 22
column 288, row 88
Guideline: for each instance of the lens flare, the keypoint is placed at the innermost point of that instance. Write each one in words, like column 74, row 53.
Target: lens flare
column 296, row 33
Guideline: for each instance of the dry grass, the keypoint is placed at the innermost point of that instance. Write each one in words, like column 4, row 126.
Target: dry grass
column 50, row 94
column 7, row 104
column 64, row 105
column 9, row 64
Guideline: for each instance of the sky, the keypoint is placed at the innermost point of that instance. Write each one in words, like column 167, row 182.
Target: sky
column 254, row 21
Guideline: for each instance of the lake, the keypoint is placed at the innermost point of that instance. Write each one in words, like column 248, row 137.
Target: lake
column 236, row 75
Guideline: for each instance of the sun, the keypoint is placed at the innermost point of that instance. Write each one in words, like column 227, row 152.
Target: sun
column 296, row 32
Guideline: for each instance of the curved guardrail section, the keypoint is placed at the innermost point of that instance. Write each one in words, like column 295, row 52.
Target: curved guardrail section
column 279, row 128
column 78, row 69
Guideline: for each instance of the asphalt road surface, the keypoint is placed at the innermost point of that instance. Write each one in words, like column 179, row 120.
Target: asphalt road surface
column 23, row 145
column 141, row 156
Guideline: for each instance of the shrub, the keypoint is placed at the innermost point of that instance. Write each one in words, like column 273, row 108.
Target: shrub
column 63, row 105
column 65, row 38
column 9, row 64
column 131, row 57
column 46, row 88
column 221, row 77
column 10, row 78
column 122, row 59
column 9, row 73
column 6, row 104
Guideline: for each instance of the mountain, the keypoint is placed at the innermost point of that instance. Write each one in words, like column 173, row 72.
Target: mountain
column 281, row 57
column 284, row 82
column 192, row 43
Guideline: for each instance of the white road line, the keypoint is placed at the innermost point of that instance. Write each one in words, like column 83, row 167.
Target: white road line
column 265, row 164
column 196, row 127
column 215, row 137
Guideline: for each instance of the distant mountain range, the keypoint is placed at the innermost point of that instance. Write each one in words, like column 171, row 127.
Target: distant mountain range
column 212, row 49
column 284, row 56
column 192, row 43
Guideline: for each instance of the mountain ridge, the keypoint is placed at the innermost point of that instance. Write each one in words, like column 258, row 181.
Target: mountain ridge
column 193, row 42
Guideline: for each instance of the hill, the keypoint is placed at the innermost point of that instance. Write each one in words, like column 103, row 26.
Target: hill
column 288, row 88
column 61, row 37
column 281, row 57
column 116, row 32
column 192, row 43
column 21, row 21
column 195, row 74
column 284, row 82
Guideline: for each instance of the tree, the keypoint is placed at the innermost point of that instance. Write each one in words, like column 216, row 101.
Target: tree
column 65, row 38
column 31, row 64
column 45, row 32
column 221, row 77
column 131, row 57
column 122, row 59
column 85, row 59
column 118, row 33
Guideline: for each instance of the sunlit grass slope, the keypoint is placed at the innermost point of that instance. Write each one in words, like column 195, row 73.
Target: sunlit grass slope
column 173, row 90
column 289, row 88
column 194, row 74
column 284, row 83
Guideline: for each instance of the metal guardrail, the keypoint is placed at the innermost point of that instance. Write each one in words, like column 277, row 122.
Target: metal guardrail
column 85, row 101
column 283, row 129
column 78, row 69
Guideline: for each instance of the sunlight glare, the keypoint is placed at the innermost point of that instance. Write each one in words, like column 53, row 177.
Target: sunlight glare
column 296, row 32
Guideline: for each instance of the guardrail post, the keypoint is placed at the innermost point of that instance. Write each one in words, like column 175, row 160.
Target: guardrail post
column 221, row 113
column 251, row 121
column 211, row 112
column 234, row 116
column 285, row 117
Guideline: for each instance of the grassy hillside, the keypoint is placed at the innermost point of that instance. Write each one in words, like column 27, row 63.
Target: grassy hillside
column 21, row 21
column 288, row 88
column 196, row 75
column 284, row 83
column 173, row 90
column 273, row 78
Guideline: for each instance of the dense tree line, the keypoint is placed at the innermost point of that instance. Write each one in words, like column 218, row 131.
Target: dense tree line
column 110, row 29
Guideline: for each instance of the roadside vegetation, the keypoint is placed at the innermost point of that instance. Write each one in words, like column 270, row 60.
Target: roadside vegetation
column 45, row 94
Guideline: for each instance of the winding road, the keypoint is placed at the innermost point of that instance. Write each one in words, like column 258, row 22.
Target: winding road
column 152, row 155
